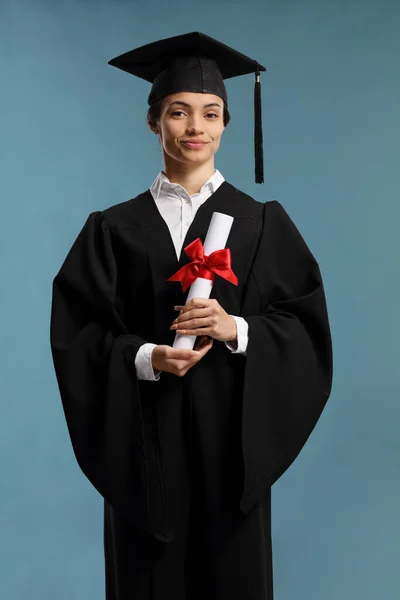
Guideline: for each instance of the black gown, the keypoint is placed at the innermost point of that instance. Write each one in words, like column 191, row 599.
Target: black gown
column 185, row 464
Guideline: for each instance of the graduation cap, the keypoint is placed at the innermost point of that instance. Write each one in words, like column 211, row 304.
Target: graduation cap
column 195, row 62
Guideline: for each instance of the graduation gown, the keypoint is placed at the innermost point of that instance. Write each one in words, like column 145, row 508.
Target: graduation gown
column 233, row 424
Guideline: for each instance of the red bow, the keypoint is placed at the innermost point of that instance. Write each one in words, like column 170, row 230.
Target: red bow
column 217, row 263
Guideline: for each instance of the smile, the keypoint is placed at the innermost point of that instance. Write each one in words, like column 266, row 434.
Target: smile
column 194, row 144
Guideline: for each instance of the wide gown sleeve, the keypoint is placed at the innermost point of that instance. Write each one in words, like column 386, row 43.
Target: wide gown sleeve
column 288, row 371
column 94, row 361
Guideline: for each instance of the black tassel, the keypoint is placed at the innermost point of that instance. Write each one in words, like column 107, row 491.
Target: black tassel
column 258, row 134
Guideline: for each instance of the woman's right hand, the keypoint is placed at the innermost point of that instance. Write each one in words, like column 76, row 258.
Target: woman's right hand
column 178, row 361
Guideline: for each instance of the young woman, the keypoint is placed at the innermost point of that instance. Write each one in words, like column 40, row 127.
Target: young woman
column 185, row 445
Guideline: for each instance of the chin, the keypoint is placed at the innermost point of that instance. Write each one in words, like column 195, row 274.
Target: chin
column 196, row 154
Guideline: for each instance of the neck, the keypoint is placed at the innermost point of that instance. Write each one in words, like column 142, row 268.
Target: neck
column 190, row 177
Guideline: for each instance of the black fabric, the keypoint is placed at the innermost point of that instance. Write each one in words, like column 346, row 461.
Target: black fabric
column 169, row 54
column 217, row 552
column 290, row 344
column 233, row 424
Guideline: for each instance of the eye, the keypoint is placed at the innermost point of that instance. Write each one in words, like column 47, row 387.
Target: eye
column 177, row 112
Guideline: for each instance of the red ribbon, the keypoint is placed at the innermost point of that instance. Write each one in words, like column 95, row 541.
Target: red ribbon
column 217, row 263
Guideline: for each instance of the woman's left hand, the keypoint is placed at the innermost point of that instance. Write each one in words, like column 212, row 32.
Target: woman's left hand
column 205, row 316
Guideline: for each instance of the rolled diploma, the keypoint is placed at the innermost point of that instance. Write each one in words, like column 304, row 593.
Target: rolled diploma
column 216, row 238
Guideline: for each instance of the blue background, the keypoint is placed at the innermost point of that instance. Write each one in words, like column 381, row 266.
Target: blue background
column 74, row 140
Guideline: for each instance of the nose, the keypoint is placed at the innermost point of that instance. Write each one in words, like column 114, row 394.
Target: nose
column 195, row 124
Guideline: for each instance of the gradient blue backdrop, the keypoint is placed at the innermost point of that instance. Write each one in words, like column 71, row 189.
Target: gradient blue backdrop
column 74, row 140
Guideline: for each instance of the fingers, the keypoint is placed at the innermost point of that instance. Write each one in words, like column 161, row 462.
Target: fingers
column 195, row 322
column 193, row 303
column 178, row 361
column 198, row 307
column 177, row 354
column 204, row 346
column 187, row 315
column 181, row 354
column 197, row 303
column 202, row 341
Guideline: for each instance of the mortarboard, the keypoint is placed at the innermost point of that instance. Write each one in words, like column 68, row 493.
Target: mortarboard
column 195, row 62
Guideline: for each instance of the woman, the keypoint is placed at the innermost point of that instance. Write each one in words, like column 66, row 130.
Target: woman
column 184, row 446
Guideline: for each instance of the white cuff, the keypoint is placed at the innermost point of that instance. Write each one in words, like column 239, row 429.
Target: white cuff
column 242, row 336
column 144, row 368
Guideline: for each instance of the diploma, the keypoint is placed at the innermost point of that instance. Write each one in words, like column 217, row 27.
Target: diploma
column 216, row 238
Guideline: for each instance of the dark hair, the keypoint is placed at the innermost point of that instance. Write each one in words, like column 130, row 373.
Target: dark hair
column 154, row 113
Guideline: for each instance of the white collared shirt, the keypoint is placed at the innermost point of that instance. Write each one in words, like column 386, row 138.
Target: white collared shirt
column 178, row 210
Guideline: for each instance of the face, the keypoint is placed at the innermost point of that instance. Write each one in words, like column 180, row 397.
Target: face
column 189, row 116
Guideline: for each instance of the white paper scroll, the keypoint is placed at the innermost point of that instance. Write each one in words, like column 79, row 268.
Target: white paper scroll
column 217, row 235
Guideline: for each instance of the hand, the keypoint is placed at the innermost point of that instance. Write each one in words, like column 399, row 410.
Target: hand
column 205, row 316
column 177, row 361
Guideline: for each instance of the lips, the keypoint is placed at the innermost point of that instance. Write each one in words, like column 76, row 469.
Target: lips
column 194, row 144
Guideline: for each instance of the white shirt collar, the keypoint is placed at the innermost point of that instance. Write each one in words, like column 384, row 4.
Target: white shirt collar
column 162, row 181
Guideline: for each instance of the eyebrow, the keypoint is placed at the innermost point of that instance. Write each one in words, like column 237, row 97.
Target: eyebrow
column 186, row 104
